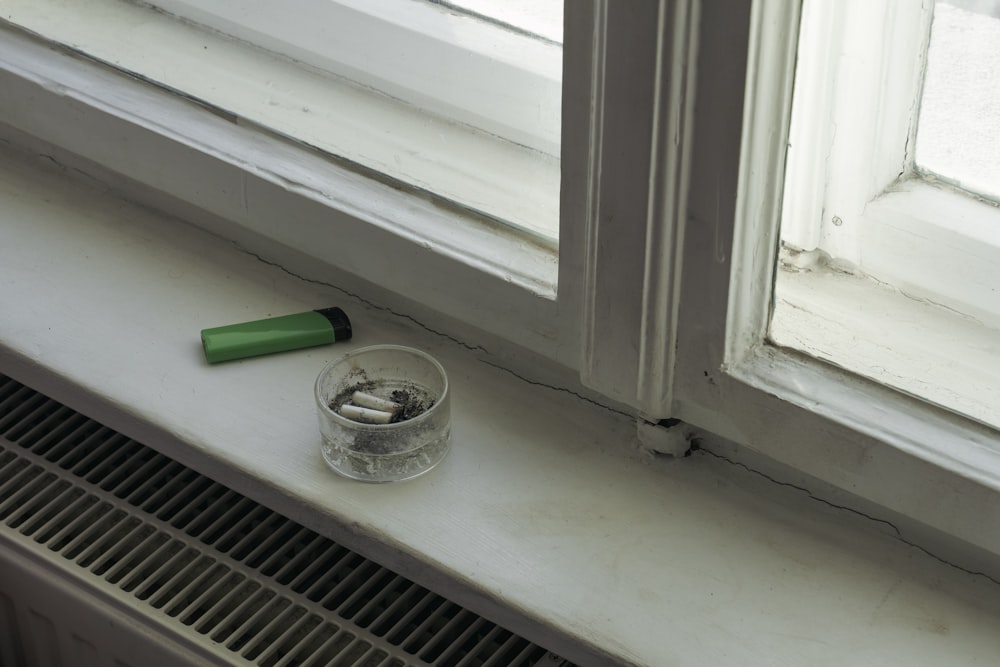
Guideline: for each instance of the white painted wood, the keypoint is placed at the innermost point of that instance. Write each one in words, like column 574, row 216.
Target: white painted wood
column 636, row 217
column 935, row 243
column 537, row 17
column 464, row 267
column 540, row 517
column 677, row 54
column 895, row 452
column 821, row 28
column 902, row 456
column 365, row 129
column 854, row 117
column 899, row 340
column 750, row 228
column 850, row 193
column 670, row 507
column 452, row 64
column 852, row 190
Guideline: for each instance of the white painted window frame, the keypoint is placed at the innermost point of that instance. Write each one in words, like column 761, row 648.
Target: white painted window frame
column 855, row 204
column 853, row 120
column 433, row 57
column 364, row 129
column 856, row 193
column 899, row 455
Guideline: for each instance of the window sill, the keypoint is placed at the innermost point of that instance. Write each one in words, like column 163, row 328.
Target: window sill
column 544, row 516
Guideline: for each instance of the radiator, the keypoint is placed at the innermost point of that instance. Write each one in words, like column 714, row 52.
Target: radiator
column 112, row 554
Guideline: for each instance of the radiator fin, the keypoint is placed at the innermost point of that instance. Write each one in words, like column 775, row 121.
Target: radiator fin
column 214, row 564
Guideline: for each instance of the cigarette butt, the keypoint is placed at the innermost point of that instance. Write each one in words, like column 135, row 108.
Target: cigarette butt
column 365, row 415
column 375, row 403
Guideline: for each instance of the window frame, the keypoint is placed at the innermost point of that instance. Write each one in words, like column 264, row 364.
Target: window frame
column 869, row 241
column 928, row 471
column 834, row 181
column 862, row 204
column 398, row 48
column 867, row 238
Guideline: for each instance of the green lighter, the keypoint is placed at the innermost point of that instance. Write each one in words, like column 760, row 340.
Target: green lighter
column 275, row 334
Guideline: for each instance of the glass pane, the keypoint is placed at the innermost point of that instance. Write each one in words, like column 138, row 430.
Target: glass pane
column 958, row 136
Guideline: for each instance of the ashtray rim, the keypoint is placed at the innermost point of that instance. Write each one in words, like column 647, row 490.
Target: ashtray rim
column 359, row 426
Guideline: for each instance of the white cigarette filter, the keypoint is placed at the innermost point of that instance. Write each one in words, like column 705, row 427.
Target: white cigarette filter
column 375, row 403
column 365, row 415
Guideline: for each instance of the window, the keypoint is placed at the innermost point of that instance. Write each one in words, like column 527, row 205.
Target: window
column 888, row 271
column 417, row 92
column 273, row 194
column 907, row 458
column 675, row 123
column 482, row 64
column 453, row 91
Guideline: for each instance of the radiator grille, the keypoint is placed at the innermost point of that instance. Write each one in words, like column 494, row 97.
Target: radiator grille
column 214, row 564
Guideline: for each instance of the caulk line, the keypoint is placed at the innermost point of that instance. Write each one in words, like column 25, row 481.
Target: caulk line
column 370, row 304
column 898, row 533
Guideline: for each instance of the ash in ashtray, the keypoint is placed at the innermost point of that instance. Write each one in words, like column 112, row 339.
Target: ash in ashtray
column 381, row 401
column 411, row 400
column 412, row 403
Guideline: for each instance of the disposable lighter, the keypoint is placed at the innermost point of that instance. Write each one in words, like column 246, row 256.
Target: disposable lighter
column 275, row 334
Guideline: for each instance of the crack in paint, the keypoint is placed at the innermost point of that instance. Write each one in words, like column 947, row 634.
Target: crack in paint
column 898, row 534
column 559, row 389
column 739, row 464
column 370, row 304
column 71, row 171
column 471, row 348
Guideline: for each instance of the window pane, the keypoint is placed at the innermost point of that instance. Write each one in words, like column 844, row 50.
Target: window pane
column 958, row 137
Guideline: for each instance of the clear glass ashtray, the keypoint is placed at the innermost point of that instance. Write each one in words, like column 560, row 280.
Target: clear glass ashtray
column 384, row 413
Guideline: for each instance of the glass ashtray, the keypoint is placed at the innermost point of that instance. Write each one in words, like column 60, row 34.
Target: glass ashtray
column 384, row 413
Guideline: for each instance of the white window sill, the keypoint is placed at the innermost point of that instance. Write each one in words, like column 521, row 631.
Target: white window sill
column 543, row 511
